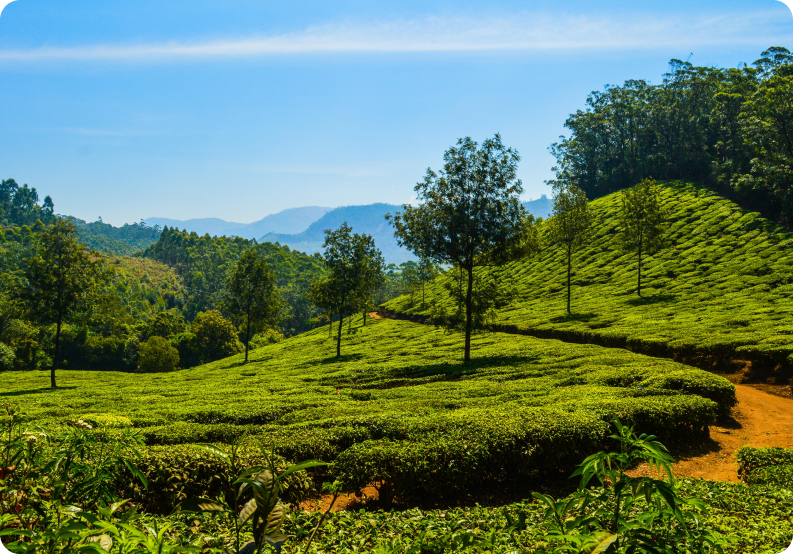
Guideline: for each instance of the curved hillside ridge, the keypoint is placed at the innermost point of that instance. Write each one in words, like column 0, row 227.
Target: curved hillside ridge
column 721, row 291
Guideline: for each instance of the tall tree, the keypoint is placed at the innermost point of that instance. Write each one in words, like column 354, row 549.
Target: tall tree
column 570, row 223
column 60, row 281
column 470, row 214
column 353, row 262
column 252, row 296
column 643, row 222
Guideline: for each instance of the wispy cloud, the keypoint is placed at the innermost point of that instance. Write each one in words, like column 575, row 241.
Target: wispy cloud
column 525, row 32
column 101, row 132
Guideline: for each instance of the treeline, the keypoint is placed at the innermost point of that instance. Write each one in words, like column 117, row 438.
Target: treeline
column 730, row 129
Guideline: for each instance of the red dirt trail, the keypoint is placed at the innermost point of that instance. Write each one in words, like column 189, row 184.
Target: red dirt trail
column 760, row 419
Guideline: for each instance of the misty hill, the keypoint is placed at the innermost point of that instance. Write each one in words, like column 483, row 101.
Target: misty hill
column 369, row 219
column 292, row 220
column 542, row 207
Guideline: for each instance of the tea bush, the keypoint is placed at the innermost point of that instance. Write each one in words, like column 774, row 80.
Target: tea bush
column 771, row 466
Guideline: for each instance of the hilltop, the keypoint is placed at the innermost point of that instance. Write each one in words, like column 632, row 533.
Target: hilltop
column 720, row 292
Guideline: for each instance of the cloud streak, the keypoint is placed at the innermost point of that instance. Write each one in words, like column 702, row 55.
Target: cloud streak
column 521, row 33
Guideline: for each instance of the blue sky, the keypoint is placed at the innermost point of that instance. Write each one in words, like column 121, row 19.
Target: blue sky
column 237, row 109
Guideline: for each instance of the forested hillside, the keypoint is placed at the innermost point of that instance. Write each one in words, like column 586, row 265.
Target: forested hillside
column 721, row 289
column 119, row 241
column 203, row 262
column 728, row 128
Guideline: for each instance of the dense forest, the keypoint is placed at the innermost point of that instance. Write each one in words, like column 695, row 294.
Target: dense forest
column 730, row 129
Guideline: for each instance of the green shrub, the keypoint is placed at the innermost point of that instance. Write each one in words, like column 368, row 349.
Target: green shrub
column 157, row 355
column 216, row 336
column 175, row 473
column 752, row 459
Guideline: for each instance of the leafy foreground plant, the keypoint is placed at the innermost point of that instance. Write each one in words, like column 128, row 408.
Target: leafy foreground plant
column 262, row 486
column 628, row 514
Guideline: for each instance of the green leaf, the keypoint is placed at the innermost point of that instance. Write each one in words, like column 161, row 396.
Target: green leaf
column 247, row 511
column 215, row 451
column 200, row 505
column 301, row 467
column 604, row 543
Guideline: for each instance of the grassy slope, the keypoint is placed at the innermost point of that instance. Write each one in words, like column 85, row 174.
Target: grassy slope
column 396, row 380
column 721, row 290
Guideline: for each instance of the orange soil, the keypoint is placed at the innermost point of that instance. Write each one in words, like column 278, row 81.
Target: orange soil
column 760, row 419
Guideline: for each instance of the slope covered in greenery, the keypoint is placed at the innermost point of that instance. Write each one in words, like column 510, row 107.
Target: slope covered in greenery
column 117, row 241
column 721, row 290
column 398, row 400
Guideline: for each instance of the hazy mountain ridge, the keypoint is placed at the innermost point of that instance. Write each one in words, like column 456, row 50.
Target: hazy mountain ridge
column 289, row 221
column 367, row 218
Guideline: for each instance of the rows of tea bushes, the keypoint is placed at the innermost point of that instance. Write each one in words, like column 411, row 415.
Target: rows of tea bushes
column 398, row 408
column 721, row 291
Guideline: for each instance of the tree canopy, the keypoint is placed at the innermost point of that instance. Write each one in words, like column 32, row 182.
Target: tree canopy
column 469, row 214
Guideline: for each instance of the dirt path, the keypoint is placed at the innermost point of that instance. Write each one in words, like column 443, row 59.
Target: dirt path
column 759, row 420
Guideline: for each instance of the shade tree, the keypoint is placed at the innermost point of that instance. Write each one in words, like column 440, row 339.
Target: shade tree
column 571, row 222
column 469, row 215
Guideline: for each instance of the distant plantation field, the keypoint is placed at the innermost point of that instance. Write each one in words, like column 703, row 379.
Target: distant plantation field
column 721, row 291
column 398, row 408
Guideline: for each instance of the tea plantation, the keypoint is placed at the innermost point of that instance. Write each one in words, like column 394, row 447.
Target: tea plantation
column 398, row 408
column 720, row 291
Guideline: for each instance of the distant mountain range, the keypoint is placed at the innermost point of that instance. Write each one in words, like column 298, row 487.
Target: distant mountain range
column 303, row 228
column 293, row 220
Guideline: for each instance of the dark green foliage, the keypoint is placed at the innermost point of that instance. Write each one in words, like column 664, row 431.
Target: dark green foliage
column 215, row 335
column 723, row 127
column 720, row 292
column 116, row 241
column 157, row 355
column 532, row 407
column 164, row 324
column 19, row 205
column 176, row 473
column 60, row 282
column 204, row 264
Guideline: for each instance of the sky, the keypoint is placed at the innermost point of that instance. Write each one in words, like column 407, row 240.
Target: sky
column 238, row 108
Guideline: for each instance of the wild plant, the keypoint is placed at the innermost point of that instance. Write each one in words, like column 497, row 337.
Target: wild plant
column 626, row 514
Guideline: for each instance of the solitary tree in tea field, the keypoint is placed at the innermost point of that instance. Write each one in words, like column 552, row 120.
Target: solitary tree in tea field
column 60, row 281
column 570, row 223
column 469, row 214
column 252, row 296
column 643, row 222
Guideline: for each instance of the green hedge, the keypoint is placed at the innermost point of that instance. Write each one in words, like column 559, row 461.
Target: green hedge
column 781, row 476
column 179, row 472
column 463, row 451
column 750, row 460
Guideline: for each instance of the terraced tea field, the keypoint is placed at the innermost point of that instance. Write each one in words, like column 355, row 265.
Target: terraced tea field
column 398, row 404
column 721, row 291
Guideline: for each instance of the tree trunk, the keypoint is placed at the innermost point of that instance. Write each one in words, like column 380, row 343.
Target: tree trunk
column 639, row 284
column 422, row 295
column 330, row 326
column 364, row 318
column 338, row 339
column 468, row 314
column 247, row 338
column 57, row 348
column 569, row 264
